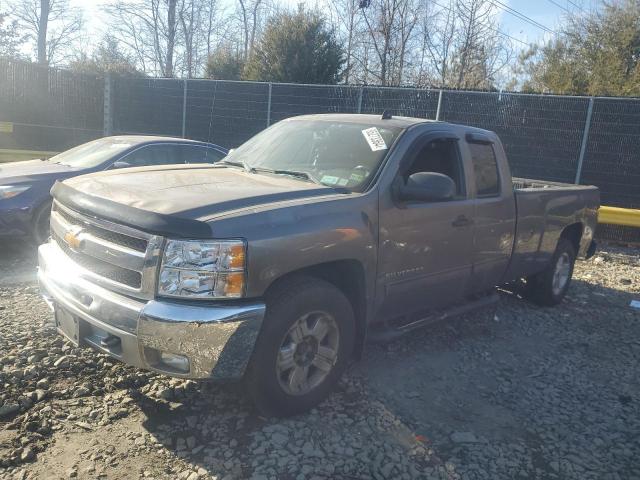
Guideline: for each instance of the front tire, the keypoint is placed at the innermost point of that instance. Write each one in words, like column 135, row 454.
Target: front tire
column 304, row 347
column 550, row 286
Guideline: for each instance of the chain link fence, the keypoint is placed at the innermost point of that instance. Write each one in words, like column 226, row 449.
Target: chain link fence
column 548, row 137
column 48, row 109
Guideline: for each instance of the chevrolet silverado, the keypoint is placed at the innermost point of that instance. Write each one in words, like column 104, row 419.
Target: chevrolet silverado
column 276, row 264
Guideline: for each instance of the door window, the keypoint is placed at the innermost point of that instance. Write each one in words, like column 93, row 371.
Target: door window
column 197, row 154
column 439, row 156
column 485, row 168
column 159, row 154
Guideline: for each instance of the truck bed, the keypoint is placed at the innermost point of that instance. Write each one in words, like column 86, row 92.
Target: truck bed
column 531, row 184
column 544, row 209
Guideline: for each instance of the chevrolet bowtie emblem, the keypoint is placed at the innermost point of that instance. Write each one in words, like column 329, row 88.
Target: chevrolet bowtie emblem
column 72, row 238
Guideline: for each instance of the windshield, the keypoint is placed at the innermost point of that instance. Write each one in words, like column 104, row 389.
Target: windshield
column 337, row 154
column 93, row 153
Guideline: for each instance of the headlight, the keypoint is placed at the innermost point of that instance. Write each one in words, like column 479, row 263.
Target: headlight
column 10, row 191
column 203, row 268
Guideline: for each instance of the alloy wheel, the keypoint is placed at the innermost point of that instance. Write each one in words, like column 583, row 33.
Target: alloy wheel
column 308, row 352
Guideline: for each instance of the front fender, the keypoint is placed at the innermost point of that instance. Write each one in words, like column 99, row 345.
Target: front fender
column 289, row 238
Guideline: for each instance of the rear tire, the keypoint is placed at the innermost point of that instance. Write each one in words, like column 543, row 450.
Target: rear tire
column 41, row 223
column 304, row 347
column 550, row 286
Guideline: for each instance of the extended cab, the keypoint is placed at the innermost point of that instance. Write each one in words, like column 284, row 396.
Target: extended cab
column 275, row 264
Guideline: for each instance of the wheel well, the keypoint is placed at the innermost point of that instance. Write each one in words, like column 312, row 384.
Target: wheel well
column 573, row 233
column 42, row 205
column 348, row 277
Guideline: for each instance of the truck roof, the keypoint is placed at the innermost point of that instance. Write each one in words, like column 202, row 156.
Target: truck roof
column 378, row 121
column 374, row 120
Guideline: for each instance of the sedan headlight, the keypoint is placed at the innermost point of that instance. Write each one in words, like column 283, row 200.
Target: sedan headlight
column 203, row 268
column 10, row 191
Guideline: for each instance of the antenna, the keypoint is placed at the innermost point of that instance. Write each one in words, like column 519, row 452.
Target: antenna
column 386, row 115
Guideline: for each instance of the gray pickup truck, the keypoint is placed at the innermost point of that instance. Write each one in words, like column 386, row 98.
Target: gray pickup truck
column 275, row 265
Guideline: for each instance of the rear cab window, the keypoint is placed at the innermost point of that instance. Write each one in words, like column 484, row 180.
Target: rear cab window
column 485, row 168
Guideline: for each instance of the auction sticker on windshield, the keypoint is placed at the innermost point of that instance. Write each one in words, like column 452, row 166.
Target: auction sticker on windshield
column 374, row 139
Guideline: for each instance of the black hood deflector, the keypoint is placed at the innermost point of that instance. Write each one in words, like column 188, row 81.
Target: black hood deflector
column 150, row 222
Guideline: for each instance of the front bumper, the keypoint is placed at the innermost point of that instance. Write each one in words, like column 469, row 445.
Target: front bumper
column 216, row 338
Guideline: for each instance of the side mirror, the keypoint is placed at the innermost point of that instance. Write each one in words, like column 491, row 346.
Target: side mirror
column 120, row 164
column 427, row 187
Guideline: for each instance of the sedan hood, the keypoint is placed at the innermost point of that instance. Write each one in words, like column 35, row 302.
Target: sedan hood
column 175, row 199
column 32, row 170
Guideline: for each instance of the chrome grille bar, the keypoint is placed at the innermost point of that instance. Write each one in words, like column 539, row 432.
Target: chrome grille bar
column 119, row 257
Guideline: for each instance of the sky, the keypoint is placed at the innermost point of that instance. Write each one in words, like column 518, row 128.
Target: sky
column 547, row 13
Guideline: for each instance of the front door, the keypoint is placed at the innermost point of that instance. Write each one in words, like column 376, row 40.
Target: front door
column 425, row 248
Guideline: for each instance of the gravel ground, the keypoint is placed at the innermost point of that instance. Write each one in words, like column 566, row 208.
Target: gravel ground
column 519, row 392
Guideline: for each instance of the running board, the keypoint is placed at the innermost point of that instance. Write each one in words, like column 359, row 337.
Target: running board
column 388, row 334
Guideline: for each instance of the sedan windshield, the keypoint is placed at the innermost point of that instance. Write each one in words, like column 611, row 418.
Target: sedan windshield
column 93, row 153
column 333, row 153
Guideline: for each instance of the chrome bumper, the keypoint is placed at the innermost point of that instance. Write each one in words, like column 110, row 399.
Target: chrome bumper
column 217, row 339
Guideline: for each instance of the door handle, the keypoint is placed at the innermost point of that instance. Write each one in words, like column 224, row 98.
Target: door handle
column 462, row 221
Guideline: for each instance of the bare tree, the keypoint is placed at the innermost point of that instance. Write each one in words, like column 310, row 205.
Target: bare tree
column 347, row 16
column 408, row 19
column 391, row 24
column 190, row 18
column 250, row 11
column 212, row 23
column 149, row 29
column 170, row 37
column 171, row 28
column 422, row 42
column 384, row 14
column 481, row 52
column 203, row 31
column 438, row 33
column 53, row 25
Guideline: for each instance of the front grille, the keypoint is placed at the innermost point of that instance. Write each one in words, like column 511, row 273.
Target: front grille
column 114, row 273
column 116, row 256
column 134, row 243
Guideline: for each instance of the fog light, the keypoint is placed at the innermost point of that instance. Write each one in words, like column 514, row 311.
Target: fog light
column 176, row 362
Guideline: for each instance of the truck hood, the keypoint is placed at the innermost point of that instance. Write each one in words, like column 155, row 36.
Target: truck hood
column 174, row 199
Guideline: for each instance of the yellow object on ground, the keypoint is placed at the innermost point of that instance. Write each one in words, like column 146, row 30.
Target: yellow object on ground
column 619, row 216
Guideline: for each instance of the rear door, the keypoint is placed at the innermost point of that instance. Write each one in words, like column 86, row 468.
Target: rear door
column 494, row 211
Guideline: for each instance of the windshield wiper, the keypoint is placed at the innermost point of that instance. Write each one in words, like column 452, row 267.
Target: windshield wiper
column 243, row 165
column 292, row 173
column 297, row 174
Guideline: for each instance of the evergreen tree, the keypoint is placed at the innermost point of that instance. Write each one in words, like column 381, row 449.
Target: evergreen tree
column 598, row 54
column 10, row 38
column 224, row 64
column 108, row 58
column 296, row 47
